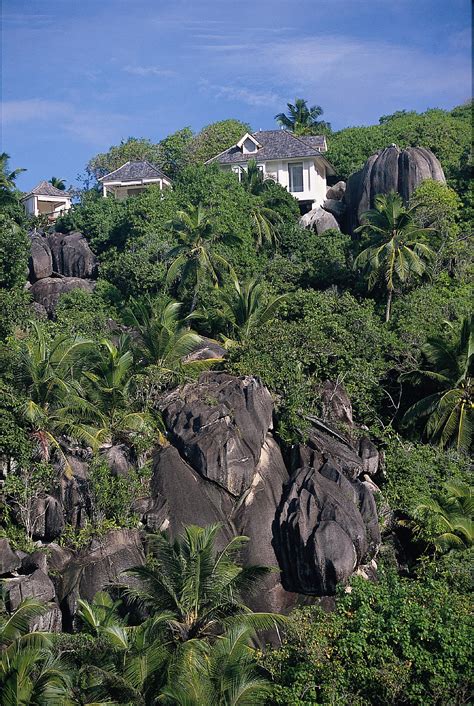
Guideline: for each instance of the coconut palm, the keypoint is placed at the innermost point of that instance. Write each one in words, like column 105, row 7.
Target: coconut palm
column 48, row 374
column 247, row 307
column 450, row 516
column 450, row 411
column 130, row 661
column 58, row 183
column 253, row 179
column 7, row 178
column 108, row 389
column 223, row 672
column 29, row 674
column 200, row 588
column 164, row 338
column 395, row 251
column 265, row 222
column 195, row 256
column 302, row 120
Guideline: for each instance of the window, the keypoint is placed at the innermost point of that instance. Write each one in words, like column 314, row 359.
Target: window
column 296, row 176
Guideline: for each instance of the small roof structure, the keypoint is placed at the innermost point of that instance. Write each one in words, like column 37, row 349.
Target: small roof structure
column 44, row 188
column 276, row 144
column 133, row 171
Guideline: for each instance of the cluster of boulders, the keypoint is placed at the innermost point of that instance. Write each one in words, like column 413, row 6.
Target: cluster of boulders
column 58, row 264
column 390, row 169
column 312, row 514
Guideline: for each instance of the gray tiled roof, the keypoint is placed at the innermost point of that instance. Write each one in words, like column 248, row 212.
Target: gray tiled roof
column 316, row 141
column 44, row 188
column 135, row 171
column 276, row 144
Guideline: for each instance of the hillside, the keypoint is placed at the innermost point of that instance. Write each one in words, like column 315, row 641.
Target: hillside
column 196, row 358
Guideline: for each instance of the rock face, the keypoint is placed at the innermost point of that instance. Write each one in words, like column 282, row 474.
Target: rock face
column 41, row 261
column 325, row 527
column 47, row 291
column 337, row 191
column 9, row 561
column 337, row 208
column 389, row 170
column 319, row 220
column 219, row 425
column 72, row 256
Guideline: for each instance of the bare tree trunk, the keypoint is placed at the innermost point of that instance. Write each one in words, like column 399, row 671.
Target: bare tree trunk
column 389, row 305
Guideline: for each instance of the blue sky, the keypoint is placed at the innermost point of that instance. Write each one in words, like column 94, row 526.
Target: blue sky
column 80, row 75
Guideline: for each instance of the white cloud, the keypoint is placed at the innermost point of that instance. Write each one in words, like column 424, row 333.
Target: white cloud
column 86, row 125
column 238, row 93
column 148, row 71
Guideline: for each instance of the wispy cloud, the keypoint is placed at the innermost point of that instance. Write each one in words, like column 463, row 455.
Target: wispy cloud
column 90, row 126
column 240, row 94
column 148, row 71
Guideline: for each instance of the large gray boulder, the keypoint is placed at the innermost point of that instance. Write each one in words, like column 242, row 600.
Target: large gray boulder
column 219, row 425
column 98, row 567
column 390, row 169
column 319, row 220
column 9, row 561
column 48, row 518
column 40, row 587
column 326, row 526
column 40, row 261
column 337, row 208
column 72, row 256
column 336, row 191
column 48, row 290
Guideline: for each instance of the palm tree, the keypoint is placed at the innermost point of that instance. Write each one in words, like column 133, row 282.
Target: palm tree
column 302, row 120
column 130, row 661
column 48, row 373
column 165, row 338
column 253, row 180
column 199, row 588
column 265, row 222
column 58, row 183
column 7, row 179
column 195, row 256
column 396, row 251
column 223, row 672
column 247, row 307
column 29, row 674
column 108, row 389
column 452, row 517
column 450, row 411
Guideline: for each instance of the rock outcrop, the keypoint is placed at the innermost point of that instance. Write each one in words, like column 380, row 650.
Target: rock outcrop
column 219, row 425
column 47, row 291
column 319, row 220
column 72, row 256
column 390, row 169
column 40, row 261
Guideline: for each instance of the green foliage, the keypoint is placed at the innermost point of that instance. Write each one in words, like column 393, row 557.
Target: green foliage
column 447, row 520
column 83, row 313
column 98, row 218
column 416, row 471
column 449, row 411
column 215, row 138
column 447, row 134
column 174, row 151
column 391, row 642
column 128, row 150
column 113, row 496
column 14, row 252
column 319, row 336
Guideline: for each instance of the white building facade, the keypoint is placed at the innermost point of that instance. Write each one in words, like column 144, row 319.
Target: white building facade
column 297, row 163
column 46, row 200
column 132, row 178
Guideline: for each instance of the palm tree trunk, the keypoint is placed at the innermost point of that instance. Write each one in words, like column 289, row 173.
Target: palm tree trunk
column 194, row 301
column 389, row 305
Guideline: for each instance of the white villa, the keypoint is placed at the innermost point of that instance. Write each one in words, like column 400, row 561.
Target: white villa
column 298, row 163
column 46, row 199
column 132, row 178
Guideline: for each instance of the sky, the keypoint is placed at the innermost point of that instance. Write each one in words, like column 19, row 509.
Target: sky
column 81, row 75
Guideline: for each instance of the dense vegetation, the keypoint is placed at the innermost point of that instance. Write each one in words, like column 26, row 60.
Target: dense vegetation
column 388, row 316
